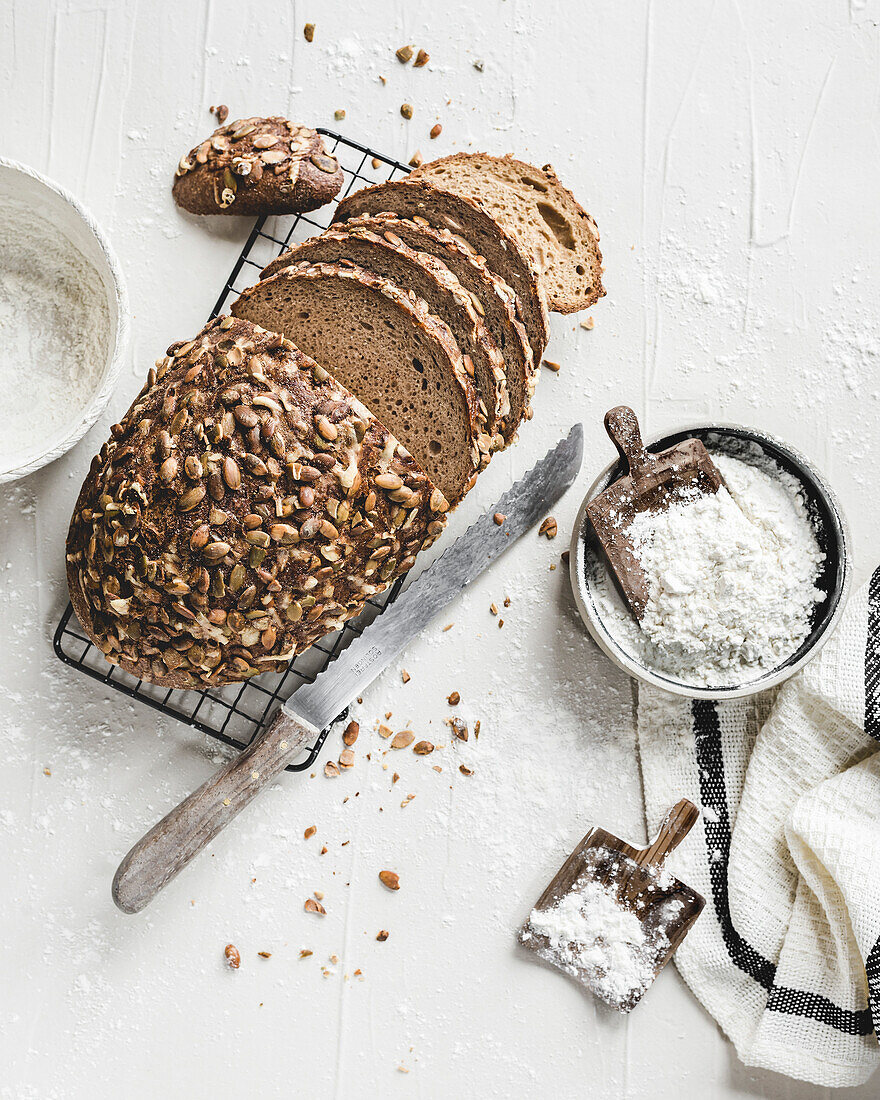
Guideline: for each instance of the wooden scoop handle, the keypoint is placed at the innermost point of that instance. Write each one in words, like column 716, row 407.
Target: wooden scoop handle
column 674, row 828
column 181, row 834
column 622, row 426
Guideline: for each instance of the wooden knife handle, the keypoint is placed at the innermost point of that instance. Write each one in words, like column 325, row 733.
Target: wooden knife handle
column 622, row 426
column 181, row 834
column 673, row 829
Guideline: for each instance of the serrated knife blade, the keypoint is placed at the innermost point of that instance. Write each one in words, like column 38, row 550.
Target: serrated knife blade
column 355, row 668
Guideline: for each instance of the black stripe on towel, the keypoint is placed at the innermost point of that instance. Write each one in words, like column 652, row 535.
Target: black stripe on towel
column 713, row 795
column 872, row 660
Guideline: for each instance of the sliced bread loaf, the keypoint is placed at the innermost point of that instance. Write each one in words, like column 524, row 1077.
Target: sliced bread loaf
column 444, row 209
column 534, row 207
column 246, row 505
column 388, row 348
column 424, row 276
column 493, row 299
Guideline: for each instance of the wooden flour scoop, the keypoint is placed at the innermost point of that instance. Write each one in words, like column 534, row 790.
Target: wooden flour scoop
column 605, row 883
column 653, row 483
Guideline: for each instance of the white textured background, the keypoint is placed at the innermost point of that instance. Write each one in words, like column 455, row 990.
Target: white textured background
column 729, row 152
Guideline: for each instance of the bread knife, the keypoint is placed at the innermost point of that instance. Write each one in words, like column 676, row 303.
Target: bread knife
column 170, row 845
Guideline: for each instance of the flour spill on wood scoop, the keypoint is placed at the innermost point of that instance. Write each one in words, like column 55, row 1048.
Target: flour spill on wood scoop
column 612, row 916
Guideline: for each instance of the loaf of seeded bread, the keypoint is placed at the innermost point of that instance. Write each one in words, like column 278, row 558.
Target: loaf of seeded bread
column 444, row 209
column 386, row 346
column 424, row 276
column 257, row 166
column 534, row 207
column 246, row 505
column 493, row 299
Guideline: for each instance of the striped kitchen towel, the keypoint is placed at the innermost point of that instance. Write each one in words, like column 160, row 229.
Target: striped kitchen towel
column 786, row 955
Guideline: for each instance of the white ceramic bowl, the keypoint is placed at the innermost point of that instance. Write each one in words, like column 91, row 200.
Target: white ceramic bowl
column 22, row 187
column 586, row 563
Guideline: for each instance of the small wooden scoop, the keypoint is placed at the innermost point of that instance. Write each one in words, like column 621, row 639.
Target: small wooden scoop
column 653, row 483
column 635, row 879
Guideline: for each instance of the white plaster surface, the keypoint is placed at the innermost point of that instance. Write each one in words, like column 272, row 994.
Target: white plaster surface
column 729, row 152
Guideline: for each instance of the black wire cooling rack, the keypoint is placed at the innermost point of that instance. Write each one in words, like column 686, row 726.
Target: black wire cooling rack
column 234, row 713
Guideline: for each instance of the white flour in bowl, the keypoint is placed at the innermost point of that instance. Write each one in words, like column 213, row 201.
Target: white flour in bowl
column 732, row 579
column 54, row 334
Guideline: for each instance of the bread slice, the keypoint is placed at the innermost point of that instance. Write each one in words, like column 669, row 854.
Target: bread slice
column 494, row 300
column 444, row 209
column 424, row 276
column 257, row 166
column 246, row 506
column 386, row 347
column 534, row 207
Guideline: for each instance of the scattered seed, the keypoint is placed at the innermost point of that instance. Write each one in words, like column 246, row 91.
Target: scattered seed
column 324, row 850
column 390, row 879
column 404, row 54
column 403, row 739
column 346, row 758
column 319, row 894
column 589, row 324
column 394, row 778
column 500, row 623
column 548, row 527
column 416, row 159
column 331, row 770
column 265, row 954
column 351, row 734
column 312, row 906
column 304, row 953
column 385, row 731
column 405, row 676
column 465, row 770
column 478, row 65
column 550, row 365
column 448, row 626
column 376, row 163
column 233, row 959
column 493, row 607
column 422, row 58
column 407, row 801
column 436, row 130
column 383, row 935
column 222, row 113
column 499, row 518
column 477, row 730
column 406, row 110
column 423, row 748
column 309, row 32
column 310, row 832
column 507, row 601
column 459, row 728
column 453, row 699
column 339, row 114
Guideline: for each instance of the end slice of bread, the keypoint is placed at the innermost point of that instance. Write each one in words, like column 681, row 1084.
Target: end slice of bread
column 535, row 208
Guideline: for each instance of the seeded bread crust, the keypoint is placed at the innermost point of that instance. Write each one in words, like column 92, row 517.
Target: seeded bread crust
column 493, row 299
column 563, row 238
column 410, row 198
column 263, row 302
column 257, row 166
column 246, row 505
column 424, row 276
